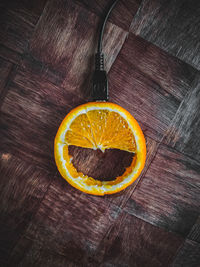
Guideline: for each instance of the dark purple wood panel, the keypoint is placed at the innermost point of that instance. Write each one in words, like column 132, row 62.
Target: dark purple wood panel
column 8, row 71
column 103, row 166
column 169, row 193
column 184, row 132
column 31, row 10
column 71, row 51
column 172, row 25
column 195, row 231
column 31, row 114
column 14, row 32
column 22, row 187
column 46, row 60
column 122, row 15
column 133, row 242
column 36, row 255
column 37, row 68
column 5, row 69
column 122, row 197
column 188, row 255
column 18, row 19
column 150, row 84
column 68, row 223
column 9, row 55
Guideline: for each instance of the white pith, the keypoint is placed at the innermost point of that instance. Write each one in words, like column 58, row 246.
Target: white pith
column 80, row 181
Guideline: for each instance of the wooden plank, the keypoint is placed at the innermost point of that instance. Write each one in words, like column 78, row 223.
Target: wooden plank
column 35, row 254
column 8, row 72
column 31, row 114
column 103, row 166
column 31, row 10
column 150, row 84
column 5, row 69
column 185, row 128
column 189, row 255
column 133, row 242
column 18, row 20
column 122, row 15
column 9, row 55
column 69, row 224
column 71, row 51
column 43, row 224
column 37, row 106
column 195, row 231
column 22, row 186
column 122, row 197
column 173, row 26
column 31, row 65
column 169, row 194
column 14, row 32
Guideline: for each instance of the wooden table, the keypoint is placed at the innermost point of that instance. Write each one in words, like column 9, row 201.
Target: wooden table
column 152, row 52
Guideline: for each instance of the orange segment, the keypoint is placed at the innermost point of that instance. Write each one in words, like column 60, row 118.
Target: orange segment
column 100, row 125
column 73, row 138
column 80, row 132
column 98, row 120
column 118, row 134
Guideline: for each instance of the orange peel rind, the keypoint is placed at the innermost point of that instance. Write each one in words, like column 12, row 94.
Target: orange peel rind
column 99, row 125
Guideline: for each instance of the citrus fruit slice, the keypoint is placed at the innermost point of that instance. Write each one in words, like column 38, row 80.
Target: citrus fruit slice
column 99, row 125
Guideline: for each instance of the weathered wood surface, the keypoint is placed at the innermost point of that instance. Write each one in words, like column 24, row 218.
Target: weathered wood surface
column 46, row 60
column 195, row 231
column 71, row 52
column 18, row 20
column 150, row 84
column 172, row 25
column 185, row 128
column 188, row 255
column 168, row 195
column 103, row 166
column 5, row 69
column 133, row 242
column 22, row 188
column 117, row 16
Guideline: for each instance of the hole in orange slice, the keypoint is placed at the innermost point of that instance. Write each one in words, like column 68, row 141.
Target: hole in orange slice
column 103, row 166
column 99, row 126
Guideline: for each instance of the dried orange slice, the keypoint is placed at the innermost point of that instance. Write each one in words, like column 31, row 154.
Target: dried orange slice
column 99, row 125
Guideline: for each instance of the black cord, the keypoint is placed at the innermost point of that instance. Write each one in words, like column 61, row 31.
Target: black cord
column 103, row 26
column 100, row 81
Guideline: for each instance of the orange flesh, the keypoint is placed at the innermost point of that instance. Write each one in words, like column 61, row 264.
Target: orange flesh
column 99, row 128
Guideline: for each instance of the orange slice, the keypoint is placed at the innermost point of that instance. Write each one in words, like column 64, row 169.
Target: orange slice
column 99, row 125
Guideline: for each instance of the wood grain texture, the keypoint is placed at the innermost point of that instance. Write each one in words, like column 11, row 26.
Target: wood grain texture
column 133, row 242
column 30, row 9
column 9, row 55
column 71, row 51
column 46, row 61
column 36, row 255
column 14, row 32
column 22, row 187
column 120, row 199
column 189, row 255
column 42, row 70
column 103, row 166
column 172, row 25
column 32, row 111
column 169, row 193
column 18, row 19
column 68, row 224
column 5, row 69
column 150, row 84
column 122, row 15
column 185, row 128
column 194, row 233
